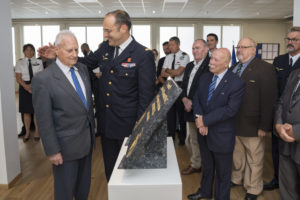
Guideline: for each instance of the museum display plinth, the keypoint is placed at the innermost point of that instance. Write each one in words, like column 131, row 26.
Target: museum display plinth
column 146, row 184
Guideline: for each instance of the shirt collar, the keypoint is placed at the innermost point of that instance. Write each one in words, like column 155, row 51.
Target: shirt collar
column 125, row 44
column 64, row 67
column 220, row 76
column 247, row 63
column 295, row 57
column 199, row 63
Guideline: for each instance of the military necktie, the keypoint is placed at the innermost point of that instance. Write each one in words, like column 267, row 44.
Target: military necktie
column 211, row 88
column 291, row 62
column 30, row 69
column 78, row 87
column 173, row 63
column 117, row 52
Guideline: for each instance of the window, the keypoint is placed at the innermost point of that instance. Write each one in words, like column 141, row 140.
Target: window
column 49, row 34
column 32, row 35
column 141, row 34
column 92, row 35
column 40, row 35
column 228, row 35
column 231, row 36
column 184, row 33
column 213, row 29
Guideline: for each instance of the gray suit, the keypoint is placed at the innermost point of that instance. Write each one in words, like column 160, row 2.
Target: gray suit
column 65, row 126
column 288, row 111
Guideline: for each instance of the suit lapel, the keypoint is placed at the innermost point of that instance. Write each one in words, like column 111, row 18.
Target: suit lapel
column 294, row 89
column 248, row 69
column 222, row 84
column 65, row 84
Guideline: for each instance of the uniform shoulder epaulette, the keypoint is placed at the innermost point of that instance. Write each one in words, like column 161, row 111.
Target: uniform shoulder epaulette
column 147, row 49
column 183, row 53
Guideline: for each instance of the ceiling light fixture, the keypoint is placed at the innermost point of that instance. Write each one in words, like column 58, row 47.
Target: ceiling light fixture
column 153, row 11
column 86, row 1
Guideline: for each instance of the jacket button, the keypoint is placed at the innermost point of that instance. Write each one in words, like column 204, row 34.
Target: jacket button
column 107, row 94
column 109, row 82
column 107, row 106
column 111, row 71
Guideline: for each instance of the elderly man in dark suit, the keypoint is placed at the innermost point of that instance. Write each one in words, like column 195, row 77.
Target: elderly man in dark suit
column 190, row 85
column 64, row 111
column 254, row 118
column 287, row 123
column 215, row 105
column 284, row 65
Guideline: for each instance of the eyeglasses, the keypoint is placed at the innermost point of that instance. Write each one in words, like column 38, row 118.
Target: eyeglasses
column 293, row 40
column 243, row 47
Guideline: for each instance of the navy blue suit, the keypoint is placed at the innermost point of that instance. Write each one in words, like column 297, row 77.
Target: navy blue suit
column 219, row 116
column 127, row 86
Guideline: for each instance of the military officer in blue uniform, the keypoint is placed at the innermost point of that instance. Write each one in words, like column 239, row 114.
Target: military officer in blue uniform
column 127, row 84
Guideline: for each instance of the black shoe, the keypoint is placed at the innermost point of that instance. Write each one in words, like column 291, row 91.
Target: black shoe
column 22, row 133
column 250, row 196
column 271, row 185
column 181, row 143
column 198, row 195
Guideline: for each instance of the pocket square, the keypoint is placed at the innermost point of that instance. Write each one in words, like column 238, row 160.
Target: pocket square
column 252, row 81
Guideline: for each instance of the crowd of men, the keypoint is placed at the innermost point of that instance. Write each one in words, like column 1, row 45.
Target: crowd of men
column 224, row 112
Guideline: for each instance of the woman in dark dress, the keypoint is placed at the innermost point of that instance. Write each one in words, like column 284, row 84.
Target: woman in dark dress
column 25, row 69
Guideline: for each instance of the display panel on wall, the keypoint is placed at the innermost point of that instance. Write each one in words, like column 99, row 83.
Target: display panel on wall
column 267, row 51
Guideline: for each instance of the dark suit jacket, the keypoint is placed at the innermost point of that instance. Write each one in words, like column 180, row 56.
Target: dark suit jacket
column 283, row 70
column 219, row 114
column 288, row 112
column 160, row 65
column 127, row 86
column 65, row 125
column 259, row 99
column 189, row 116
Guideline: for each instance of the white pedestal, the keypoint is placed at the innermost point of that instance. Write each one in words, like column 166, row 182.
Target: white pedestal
column 146, row 184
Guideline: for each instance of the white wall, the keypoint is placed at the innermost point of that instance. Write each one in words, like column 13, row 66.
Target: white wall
column 9, row 150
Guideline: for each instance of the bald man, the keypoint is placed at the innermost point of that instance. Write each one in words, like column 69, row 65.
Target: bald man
column 215, row 106
column 254, row 118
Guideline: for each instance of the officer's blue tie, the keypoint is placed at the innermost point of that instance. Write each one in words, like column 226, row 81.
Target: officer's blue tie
column 211, row 88
column 78, row 88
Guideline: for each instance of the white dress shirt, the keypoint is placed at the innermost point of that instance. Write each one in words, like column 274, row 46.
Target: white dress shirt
column 66, row 70
column 220, row 76
column 123, row 46
column 294, row 58
column 22, row 67
column 181, row 60
column 193, row 73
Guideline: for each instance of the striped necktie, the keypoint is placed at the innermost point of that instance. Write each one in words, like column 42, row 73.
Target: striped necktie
column 211, row 88
column 239, row 69
column 78, row 87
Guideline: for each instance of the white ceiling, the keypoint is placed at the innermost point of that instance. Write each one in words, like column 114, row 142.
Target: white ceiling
column 258, row 9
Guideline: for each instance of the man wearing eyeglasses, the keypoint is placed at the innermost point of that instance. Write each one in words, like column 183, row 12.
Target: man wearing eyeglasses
column 254, row 118
column 285, row 65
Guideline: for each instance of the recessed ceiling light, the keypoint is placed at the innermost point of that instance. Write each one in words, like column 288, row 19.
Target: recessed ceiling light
column 86, row 1
column 46, row 12
column 175, row 1
column 99, row 11
column 153, row 11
